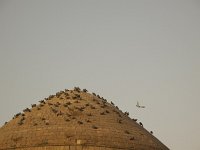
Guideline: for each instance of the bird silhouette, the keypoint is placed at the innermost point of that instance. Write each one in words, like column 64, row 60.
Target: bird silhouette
column 139, row 106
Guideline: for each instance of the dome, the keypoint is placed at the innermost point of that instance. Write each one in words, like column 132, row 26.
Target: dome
column 75, row 120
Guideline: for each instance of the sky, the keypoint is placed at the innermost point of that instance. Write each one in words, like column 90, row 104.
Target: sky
column 123, row 50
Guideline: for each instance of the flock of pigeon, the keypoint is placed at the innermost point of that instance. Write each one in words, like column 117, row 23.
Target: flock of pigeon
column 77, row 96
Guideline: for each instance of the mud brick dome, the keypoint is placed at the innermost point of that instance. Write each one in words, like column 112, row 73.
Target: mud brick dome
column 75, row 120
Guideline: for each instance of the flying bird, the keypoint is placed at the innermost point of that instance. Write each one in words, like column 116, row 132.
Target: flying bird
column 139, row 106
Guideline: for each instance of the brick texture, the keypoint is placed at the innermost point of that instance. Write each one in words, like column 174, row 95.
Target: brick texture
column 75, row 120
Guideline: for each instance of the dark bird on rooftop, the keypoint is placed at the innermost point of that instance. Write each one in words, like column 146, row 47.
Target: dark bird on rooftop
column 140, row 123
column 112, row 103
column 134, row 119
column 85, row 90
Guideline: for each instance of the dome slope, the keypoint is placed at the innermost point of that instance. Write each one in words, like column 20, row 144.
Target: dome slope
column 75, row 118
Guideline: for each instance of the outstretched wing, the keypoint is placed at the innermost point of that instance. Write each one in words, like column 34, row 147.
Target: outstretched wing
column 138, row 105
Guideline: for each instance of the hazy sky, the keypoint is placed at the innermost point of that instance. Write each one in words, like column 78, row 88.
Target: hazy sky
column 126, row 51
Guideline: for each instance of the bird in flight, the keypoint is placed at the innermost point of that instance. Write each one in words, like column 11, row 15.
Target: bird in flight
column 139, row 106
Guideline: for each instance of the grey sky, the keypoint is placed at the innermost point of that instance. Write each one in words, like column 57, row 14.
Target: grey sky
column 123, row 50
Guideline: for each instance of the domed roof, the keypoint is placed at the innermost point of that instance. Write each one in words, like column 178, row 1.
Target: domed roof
column 75, row 118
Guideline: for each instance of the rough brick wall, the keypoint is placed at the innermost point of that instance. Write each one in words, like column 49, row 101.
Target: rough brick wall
column 77, row 120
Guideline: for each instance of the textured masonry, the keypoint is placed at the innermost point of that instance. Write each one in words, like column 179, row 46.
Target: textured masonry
column 75, row 120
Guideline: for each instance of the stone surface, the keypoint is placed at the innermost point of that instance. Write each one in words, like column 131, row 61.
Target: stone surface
column 75, row 120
